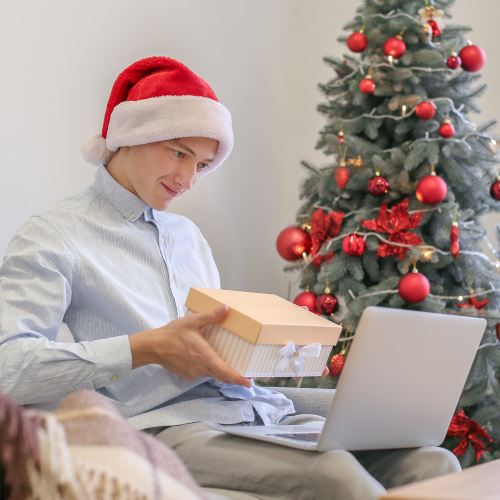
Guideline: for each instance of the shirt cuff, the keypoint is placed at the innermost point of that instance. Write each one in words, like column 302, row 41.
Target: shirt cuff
column 114, row 360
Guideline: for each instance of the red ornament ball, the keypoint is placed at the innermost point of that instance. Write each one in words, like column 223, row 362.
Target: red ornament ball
column 446, row 130
column 307, row 299
column 473, row 58
column 367, row 86
column 357, row 42
column 292, row 242
column 495, row 190
column 394, row 47
column 454, row 61
column 431, row 190
column 425, row 110
column 414, row 287
column 336, row 364
column 353, row 245
column 378, row 185
column 327, row 304
column 497, row 328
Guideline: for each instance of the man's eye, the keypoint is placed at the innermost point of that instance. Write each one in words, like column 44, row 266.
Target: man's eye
column 179, row 154
column 203, row 166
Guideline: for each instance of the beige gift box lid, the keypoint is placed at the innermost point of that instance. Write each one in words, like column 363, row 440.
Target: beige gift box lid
column 262, row 318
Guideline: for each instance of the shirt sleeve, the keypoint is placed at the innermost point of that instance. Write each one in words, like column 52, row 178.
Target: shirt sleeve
column 36, row 281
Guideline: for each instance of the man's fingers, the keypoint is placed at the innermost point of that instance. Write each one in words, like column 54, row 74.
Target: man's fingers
column 218, row 368
column 222, row 371
column 210, row 317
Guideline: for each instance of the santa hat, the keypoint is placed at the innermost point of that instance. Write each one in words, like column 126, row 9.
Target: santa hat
column 157, row 99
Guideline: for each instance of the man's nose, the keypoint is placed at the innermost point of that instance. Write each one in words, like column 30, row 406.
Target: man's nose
column 186, row 177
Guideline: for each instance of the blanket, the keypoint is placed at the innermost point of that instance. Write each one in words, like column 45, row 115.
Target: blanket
column 86, row 451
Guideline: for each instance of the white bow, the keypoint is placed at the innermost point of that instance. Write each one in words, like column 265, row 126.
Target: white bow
column 289, row 353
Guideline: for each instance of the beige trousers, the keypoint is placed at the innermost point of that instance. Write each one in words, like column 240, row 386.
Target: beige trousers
column 273, row 472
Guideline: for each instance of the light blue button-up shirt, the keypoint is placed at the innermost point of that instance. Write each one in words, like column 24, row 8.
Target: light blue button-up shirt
column 108, row 266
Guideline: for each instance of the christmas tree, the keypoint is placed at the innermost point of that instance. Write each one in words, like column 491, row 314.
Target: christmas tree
column 393, row 218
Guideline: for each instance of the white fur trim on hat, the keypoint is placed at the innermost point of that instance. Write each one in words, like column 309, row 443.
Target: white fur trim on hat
column 171, row 117
column 95, row 151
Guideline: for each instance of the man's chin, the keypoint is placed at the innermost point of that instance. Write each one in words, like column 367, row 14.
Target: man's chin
column 161, row 207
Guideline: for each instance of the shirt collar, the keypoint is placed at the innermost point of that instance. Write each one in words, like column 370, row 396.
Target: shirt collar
column 127, row 203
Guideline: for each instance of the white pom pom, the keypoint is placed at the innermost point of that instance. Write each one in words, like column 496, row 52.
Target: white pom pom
column 95, row 151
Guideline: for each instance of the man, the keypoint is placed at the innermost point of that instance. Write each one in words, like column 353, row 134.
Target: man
column 117, row 269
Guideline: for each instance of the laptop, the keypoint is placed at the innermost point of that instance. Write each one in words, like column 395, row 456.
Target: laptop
column 399, row 387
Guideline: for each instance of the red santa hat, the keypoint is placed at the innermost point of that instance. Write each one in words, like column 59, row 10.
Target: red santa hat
column 157, row 99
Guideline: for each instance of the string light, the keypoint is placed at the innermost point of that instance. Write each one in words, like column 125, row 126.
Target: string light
column 390, row 59
column 447, row 297
column 427, row 254
column 403, row 110
column 379, row 117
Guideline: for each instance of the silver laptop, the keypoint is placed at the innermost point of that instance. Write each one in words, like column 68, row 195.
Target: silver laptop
column 399, row 387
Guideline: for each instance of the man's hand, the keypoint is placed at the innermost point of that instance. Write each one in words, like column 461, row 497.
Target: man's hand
column 181, row 348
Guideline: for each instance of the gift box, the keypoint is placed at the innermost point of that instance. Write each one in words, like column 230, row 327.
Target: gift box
column 264, row 335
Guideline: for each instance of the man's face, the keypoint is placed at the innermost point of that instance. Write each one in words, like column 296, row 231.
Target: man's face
column 159, row 172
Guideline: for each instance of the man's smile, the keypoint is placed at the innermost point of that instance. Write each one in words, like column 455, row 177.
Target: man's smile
column 171, row 191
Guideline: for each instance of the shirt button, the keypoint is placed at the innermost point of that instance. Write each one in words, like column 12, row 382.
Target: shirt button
column 132, row 216
column 220, row 382
column 114, row 378
column 162, row 240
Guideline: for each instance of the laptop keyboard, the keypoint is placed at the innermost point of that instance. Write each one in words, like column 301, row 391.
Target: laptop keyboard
column 300, row 436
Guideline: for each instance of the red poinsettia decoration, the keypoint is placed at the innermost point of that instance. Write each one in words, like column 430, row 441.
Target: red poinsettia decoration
column 471, row 432
column 324, row 226
column 322, row 258
column 396, row 223
column 473, row 302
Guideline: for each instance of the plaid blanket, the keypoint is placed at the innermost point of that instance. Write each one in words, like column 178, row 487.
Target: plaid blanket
column 84, row 451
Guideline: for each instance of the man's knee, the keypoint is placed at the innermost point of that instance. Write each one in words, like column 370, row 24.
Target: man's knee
column 439, row 461
column 342, row 477
column 427, row 462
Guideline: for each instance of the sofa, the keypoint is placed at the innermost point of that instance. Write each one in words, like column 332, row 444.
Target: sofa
column 41, row 450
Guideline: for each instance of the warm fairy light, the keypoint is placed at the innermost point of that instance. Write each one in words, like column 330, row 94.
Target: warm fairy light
column 460, row 297
column 427, row 254
column 493, row 142
column 355, row 162
column 390, row 58
column 497, row 264
column 403, row 110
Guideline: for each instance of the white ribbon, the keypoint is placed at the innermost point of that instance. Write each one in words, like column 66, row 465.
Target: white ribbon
column 289, row 353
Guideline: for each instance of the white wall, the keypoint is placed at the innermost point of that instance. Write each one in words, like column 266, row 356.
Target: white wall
column 264, row 60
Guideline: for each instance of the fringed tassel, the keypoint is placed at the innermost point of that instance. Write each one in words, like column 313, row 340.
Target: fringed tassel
column 101, row 486
column 56, row 478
